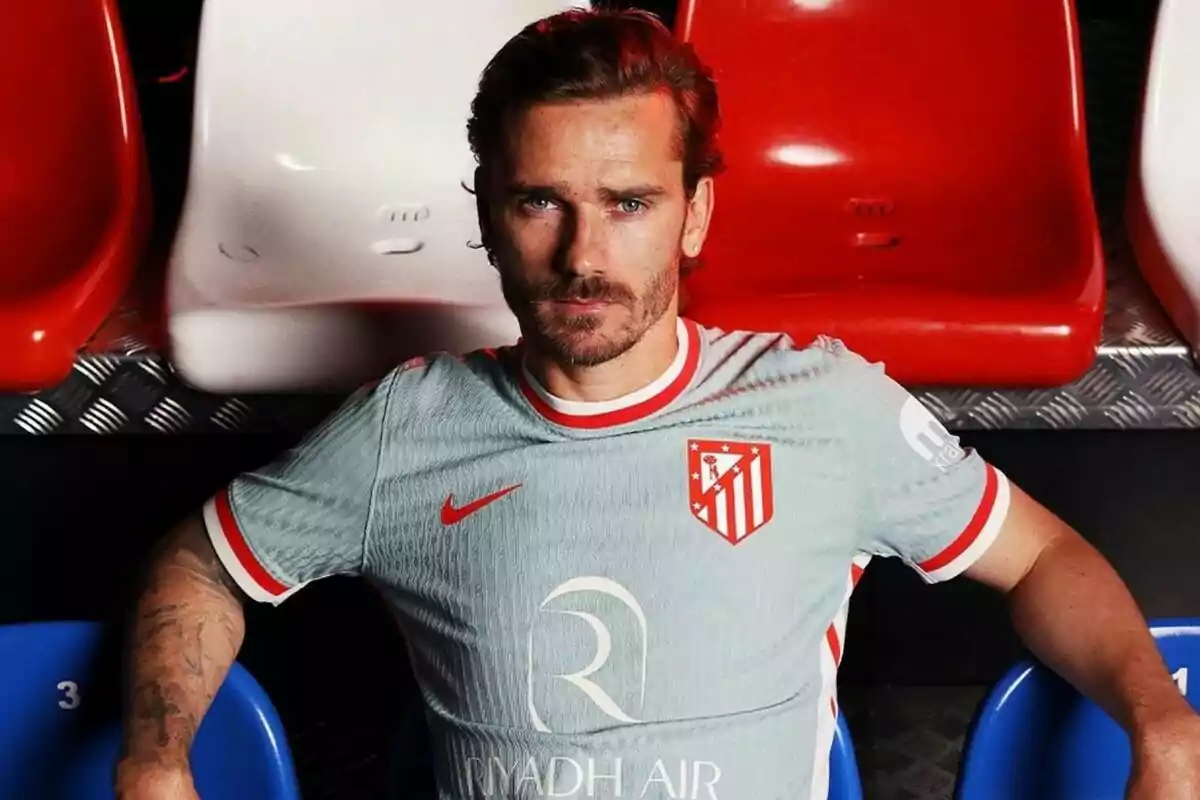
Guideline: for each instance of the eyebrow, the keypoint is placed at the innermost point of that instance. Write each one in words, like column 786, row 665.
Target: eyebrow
column 608, row 192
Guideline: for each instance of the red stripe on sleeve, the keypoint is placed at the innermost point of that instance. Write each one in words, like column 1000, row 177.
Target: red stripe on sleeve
column 973, row 529
column 237, row 543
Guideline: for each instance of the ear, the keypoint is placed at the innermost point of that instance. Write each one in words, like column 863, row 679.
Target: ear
column 483, row 212
column 699, row 214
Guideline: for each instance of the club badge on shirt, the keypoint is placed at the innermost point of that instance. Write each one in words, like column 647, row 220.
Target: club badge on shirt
column 729, row 486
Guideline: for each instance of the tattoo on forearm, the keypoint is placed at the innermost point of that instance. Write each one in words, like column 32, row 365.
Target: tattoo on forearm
column 187, row 632
column 155, row 709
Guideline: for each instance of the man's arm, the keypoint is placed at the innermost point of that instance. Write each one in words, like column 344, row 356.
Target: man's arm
column 946, row 511
column 263, row 537
column 1076, row 615
column 187, row 631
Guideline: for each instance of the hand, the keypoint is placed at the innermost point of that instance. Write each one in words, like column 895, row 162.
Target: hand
column 154, row 782
column 1166, row 760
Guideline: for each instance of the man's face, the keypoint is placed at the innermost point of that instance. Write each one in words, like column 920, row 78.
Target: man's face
column 587, row 218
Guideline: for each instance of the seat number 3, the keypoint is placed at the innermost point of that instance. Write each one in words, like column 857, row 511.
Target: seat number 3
column 70, row 695
column 1180, row 677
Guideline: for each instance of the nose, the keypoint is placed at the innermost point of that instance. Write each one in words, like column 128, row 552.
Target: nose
column 583, row 244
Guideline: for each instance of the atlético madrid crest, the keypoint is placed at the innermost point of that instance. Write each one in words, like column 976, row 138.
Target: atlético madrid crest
column 729, row 486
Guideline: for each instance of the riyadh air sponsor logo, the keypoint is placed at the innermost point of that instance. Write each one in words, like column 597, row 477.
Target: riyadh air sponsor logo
column 581, row 679
column 600, row 695
column 580, row 777
column 927, row 436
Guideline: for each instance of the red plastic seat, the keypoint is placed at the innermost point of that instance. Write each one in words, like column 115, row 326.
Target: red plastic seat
column 73, row 183
column 909, row 177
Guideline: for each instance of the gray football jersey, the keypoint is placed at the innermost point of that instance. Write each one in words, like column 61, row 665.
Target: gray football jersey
column 639, row 598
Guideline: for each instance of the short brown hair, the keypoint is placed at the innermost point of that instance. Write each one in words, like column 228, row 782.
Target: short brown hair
column 593, row 55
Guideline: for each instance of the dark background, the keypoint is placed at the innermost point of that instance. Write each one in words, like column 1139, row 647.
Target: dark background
column 79, row 513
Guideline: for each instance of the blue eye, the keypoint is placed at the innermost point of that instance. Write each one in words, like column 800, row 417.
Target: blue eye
column 631, row 206
column 537, row 203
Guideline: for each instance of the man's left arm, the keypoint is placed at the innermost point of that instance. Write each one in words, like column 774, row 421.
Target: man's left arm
column 1076, row 615
column 946, row 512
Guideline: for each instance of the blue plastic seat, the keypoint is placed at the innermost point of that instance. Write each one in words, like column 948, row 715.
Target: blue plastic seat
column 1037, row 738
column 60, row 722
column 844, row 782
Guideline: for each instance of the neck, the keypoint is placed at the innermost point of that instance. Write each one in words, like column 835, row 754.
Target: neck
column 638, row 367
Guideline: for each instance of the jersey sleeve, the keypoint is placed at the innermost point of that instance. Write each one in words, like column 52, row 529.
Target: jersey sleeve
column 935, row 505
column 304, row 516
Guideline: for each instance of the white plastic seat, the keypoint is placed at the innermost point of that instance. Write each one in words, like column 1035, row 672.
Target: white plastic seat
column 327, row 222
column 1165, row 185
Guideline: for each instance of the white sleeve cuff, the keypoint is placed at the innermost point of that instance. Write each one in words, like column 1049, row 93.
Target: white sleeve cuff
column 236, row 556
column 976, row 537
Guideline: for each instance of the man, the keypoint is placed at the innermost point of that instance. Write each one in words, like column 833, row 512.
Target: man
column 622, row 550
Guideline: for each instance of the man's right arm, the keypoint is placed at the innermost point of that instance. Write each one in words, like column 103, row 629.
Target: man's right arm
column 187, row 631
column 263, row 537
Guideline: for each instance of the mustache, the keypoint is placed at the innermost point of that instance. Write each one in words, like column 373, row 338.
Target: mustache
column 591, row 288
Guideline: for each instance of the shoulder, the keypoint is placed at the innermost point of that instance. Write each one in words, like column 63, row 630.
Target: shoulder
column 443, row 366
column 430, row 381
column 773, row 355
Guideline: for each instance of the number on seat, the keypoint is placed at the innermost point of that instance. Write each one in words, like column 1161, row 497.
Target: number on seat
column 70, row 690
column 1180, row 677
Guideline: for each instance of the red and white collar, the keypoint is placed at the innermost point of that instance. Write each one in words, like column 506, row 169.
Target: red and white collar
column 632, row 407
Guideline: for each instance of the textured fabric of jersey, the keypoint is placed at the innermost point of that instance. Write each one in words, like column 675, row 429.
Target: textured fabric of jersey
column 642, row 598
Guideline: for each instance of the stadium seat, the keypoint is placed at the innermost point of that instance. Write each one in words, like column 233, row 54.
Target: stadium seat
column 896, row 178
column 74, row 186
column 1036, row 738
column 60, row 722
column 1165, row 180
column 328, row 231
column 844, row 781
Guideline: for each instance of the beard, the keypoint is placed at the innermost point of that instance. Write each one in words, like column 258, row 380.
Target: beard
column 587, row 340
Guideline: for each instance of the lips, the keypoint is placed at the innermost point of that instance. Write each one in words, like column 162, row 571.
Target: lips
column 582, row 305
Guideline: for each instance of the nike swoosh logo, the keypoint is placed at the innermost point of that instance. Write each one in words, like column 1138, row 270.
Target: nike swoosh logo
column 452, row 515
